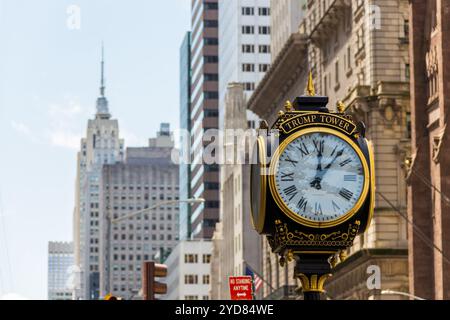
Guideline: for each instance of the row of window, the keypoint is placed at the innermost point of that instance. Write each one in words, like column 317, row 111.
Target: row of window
column 250, row 67
column 193, row 279
column 146, row 238
column 193, row 258
column 140, row 188
column 192, row 297
column 250, row 11
column 251, row 30
column 250, row 48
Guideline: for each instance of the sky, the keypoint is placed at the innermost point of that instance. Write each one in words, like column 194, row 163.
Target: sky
column 49, row 81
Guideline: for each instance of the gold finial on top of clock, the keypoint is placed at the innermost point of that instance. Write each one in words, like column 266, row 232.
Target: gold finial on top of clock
column 341, row 107
column 288, row 106
column 310, row 88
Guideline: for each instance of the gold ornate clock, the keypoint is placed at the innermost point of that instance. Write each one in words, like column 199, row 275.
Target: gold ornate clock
column 318, row 194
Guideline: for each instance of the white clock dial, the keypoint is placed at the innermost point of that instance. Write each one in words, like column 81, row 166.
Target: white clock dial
column 319, row 177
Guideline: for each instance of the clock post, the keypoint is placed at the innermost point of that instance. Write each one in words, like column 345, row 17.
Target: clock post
column 315, row 193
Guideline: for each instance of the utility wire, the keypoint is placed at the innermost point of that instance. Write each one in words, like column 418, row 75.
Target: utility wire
column 419, row 232
column 429, row 184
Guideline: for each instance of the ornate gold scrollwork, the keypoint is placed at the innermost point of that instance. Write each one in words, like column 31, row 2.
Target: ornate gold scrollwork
column 284, row 237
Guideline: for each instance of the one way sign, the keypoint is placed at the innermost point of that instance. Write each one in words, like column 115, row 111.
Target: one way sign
column 241, row 288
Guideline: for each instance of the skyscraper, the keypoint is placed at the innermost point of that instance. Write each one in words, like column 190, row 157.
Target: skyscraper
column 146, row 178
column 204, row 115
column 185, row 125
column 428, row 169
column 60, row 263
column 244, row 50
column 100, row 146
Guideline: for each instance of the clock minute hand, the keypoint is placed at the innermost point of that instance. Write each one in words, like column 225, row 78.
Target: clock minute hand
column 339, row 154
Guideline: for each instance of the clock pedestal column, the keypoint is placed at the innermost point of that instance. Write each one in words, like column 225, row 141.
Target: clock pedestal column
column 312, row 269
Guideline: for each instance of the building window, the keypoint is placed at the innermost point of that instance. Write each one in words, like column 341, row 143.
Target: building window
column 248, row 67
column 248, row 11
column 248, row 29
column 249, row 86
column 211, row 186
column 206, row 258
column 248, row 48
column 264, row 48
column 264, row 11
column 406, row 28
column 190, row 258
column 407, row 71
column 211, row 59
column 206, row 279
column 190, row 297
column 190, row 279
column 336, row 70
column 211, row 23
column 264, row 30
column 349, row 58
column 210, row 113
column 211, row 95
column 264, row 67
column 211, row 77
column 211, row 41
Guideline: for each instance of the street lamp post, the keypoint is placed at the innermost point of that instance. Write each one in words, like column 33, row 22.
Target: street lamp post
column 400, row 293
column 132, row 215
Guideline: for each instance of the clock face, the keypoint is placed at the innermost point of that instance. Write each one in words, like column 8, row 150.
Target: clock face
column 319, row 177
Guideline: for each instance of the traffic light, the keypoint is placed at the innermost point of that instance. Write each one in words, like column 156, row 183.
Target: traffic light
column 110, row 297
column 150, row 286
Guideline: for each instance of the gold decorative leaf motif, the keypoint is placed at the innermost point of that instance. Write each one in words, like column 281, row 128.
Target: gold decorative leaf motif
column 284, row 237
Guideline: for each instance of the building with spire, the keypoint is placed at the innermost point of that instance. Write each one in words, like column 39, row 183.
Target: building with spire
column 100, row 146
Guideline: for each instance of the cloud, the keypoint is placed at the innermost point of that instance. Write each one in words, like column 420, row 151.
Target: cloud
column 72, row 109
column 131, row 139
column 13, row 296
column 24, row 130
column 65, row 119
column 21, row 128
column 65, row 139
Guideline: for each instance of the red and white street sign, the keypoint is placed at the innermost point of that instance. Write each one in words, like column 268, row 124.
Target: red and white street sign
column 241, row 288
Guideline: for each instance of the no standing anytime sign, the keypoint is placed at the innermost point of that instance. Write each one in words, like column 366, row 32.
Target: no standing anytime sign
column 241, row 288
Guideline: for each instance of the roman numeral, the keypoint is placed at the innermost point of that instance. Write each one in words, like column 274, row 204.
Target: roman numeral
column 335, row 206
column 288, row 159
column 303, row 149
column 346, row 194
column 291, row 191
column 302, row 204
column 318, row 209
column 345, row 162
column 334, row 150
column 287, row 176
column 319, row 146
column 351, row 178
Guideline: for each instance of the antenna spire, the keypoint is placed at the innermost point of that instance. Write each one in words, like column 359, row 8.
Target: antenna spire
column 310, row 88
column 102, row 81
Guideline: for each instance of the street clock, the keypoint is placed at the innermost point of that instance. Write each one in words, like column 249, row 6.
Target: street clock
column 312, row 192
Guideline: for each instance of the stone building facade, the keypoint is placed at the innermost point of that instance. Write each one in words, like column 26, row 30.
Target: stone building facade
column 358, row 54
column 429, row 175
column 147, row 178
column 235, row 245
